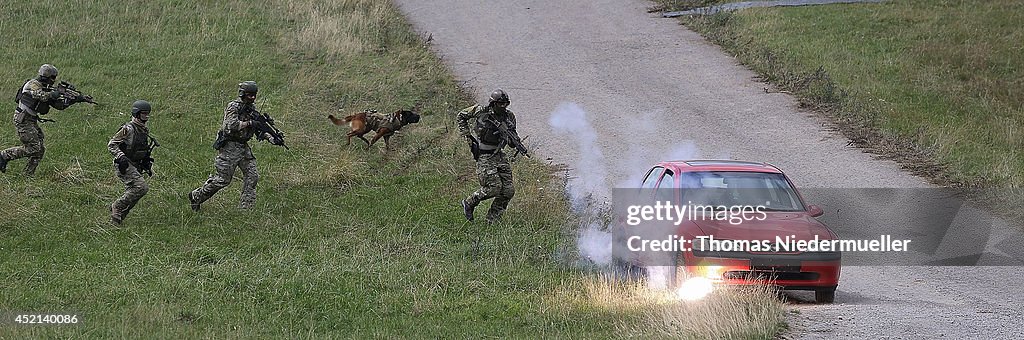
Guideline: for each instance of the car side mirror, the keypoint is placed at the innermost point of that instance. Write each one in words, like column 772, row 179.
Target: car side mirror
column 815, row 210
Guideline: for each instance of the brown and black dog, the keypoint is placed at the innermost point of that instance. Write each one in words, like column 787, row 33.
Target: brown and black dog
column 383, row 124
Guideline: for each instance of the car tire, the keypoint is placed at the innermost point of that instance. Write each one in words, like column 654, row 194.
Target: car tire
column 679, row 275
column 825, row 296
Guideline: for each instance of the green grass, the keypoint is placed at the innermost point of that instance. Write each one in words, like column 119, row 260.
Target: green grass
column 934, row 84
column 344, row 242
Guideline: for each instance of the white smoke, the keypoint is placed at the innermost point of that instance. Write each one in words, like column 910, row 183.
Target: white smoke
column 589, row 182
column 634, row 162
column 595, row 244
column 569, row 119
column 658, row 277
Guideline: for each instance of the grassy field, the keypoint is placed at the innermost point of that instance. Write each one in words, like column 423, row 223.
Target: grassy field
column 934, row 84
column 344, row 242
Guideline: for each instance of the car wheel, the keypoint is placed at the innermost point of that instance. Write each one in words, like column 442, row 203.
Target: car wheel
column 825, row 296
column 679, row 275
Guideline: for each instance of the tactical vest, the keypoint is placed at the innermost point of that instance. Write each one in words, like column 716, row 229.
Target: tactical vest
column 136, row 146
column 39, row 107
column 244, row 135
column 485, row 129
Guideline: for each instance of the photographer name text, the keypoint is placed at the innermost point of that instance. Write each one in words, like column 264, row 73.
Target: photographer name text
column 787, row 244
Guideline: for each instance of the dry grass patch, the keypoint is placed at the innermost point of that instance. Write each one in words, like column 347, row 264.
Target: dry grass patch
column 342, row 27
column 728, row 313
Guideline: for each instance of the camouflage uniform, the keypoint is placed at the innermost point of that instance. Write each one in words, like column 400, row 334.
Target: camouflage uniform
column 492, row 168
column 36, row 99
column 130, row 141
column 235, row 153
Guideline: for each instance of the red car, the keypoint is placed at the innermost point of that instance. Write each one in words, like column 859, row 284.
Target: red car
column 782, row 216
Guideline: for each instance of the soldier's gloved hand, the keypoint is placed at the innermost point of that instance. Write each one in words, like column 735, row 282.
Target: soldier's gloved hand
column 122, row 163
column 53, row 95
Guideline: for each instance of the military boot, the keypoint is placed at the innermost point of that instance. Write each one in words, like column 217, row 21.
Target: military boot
column 467, row 209
column 3, row 164
column 115, row 216
column 193, row 201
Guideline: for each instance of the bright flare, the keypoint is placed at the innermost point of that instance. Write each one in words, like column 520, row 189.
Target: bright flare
column 713, row 272
column 695, row 289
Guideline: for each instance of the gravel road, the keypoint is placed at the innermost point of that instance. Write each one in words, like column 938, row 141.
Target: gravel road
column 609, row 89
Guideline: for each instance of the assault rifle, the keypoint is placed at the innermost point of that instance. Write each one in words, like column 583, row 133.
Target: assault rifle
column 263, row 123
column 146, row 165
column 507, row 137
column 67, row 90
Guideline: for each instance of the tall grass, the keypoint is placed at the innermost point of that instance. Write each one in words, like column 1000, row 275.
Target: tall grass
column 728, row 313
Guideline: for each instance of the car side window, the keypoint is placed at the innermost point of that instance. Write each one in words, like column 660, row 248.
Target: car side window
column 652, row 177
column 668, row 180
column 666, row 186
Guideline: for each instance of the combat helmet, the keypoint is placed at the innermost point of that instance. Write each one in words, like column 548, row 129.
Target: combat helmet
column 248, row 86
column 499, row 96
column 140, row 106
column 47, row 71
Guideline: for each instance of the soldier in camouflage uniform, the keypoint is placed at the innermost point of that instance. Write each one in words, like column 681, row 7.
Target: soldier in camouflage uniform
column 237, row 129
column 36, row 98
column 130, row 147
column 492, row 167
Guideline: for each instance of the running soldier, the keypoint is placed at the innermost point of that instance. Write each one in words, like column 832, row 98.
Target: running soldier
column 495, row 128
column 132, row 149
column 241, row 123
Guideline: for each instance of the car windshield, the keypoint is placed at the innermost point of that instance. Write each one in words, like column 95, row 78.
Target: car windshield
column 770, row 191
